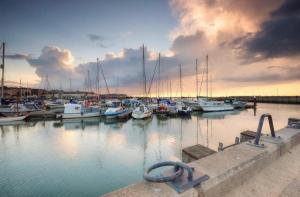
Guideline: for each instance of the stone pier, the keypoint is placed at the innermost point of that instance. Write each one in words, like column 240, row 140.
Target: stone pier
column 241, row 170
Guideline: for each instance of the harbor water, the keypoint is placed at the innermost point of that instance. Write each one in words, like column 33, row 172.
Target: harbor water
column 91, row 157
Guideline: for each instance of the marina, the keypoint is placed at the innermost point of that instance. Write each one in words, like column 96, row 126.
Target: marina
column 94, row 156
column 172, row 98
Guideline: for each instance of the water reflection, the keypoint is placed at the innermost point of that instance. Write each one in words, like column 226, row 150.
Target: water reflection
column 89, row 157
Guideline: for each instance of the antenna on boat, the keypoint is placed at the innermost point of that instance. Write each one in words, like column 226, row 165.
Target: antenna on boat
column 2, row 67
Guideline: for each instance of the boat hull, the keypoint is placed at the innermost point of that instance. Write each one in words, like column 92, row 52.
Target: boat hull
column 82, row 115
column 141, row 115
column 11, row 119
column 217, row 108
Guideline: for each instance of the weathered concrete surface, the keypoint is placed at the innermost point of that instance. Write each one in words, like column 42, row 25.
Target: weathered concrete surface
column 145, row 189
column 280, row 178
column 231, row 169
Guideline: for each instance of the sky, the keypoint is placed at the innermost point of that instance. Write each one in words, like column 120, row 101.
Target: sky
column 253, row 47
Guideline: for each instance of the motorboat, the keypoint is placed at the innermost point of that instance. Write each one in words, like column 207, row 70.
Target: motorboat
column 141, row 112
column 18, row 108
column 117, row 112
column 236, row 103
column 73, row 110
column 213, row 106
column 194, row 105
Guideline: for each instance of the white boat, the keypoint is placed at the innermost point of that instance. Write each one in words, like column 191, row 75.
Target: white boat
column 115, row 112
column 15, row 108
column 194, row 105
column 210, row 105
column 78, row 111
column 141, row 112
column 11, row 119
column 213, row 106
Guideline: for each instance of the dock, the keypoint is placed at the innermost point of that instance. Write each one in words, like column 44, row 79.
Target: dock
column 270, row 168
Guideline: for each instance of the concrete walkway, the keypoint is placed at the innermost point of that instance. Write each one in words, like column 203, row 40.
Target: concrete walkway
column 241, row 170
column 281, row 178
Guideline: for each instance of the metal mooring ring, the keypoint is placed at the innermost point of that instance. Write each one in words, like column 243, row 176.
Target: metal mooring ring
column 178, row 171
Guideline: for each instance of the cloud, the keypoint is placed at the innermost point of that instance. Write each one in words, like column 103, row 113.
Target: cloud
column 17, row 56
column 275, row 74
column 55, row 63
column 125, row 69
column 278, row 36
column 96, row 38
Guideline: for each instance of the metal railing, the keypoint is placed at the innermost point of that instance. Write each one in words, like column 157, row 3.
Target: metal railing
column 260, row 126
column 222, row 147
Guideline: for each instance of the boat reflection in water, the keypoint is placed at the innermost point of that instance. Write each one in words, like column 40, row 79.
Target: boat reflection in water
column 77, row 123
column 217, row 115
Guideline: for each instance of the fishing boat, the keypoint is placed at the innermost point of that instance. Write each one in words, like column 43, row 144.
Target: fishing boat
column 4, row 120
column 72, row 110
column 141, row 112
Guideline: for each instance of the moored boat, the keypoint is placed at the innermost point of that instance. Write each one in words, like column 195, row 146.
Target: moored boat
column 117, row 112
column 141, row 112
column 213, row 106
column 73, row 110
column 4, row 120
column 182, row 109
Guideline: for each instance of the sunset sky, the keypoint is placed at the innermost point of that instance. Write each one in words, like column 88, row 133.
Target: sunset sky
column 253, row 45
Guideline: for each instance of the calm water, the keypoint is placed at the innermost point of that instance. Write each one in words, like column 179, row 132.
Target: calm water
column 93, row 157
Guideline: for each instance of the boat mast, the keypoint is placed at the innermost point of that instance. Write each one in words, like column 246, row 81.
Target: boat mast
column 144, row 73
column 102, row 72
column 97, row 77
column 180, row 75
column 158, row 74
column 2, row 67
column 207, row 76
column 197, row 88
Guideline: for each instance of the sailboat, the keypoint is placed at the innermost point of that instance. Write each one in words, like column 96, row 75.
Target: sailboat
column 212, row 106
column 193, row 104
column 182, row 109
column 142, row 111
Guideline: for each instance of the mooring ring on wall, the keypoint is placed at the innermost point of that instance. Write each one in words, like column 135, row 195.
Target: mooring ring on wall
column 178, row 171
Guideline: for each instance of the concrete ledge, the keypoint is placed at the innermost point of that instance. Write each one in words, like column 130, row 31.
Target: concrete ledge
column 227, row 169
